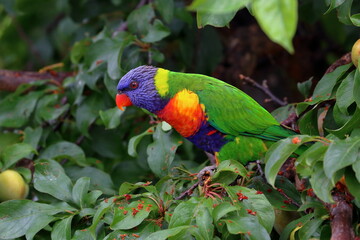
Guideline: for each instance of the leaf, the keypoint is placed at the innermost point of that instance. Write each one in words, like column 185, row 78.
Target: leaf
column 80, row 191
column 127, row 188
column 216, row 20
column 13, row 153
column 156, row 32
column 279, row 152
column 16, row 110
column 344, row 94
column 19, row 216
column 352, row 183
column 353, row 122
column 183, row 214
column 334, row 4
column 48, row 108
column 103, row 208
column 32, row 136
column 216, row 7
column 88, row 111
column 296, row 223
column 99, row 180
column 321, row 184
column 305, row 162
column 50, row 178
column 134, row 141
column 356, row 89
column 282, row 113
column 62, row 229
column 139, row 20
column 130, row 220
column 165, row 234
column 340, row 154
column 111, row 117
column 248, row 226
column 228, row 170
column 271, row 15
column 222, row 209
column 166, row 9
column 67, row 150
column 305, row 87
column 204, row 223
column 308, row 123
column 324, row 88
column 161, row 152
column 309, row 228
column 7, row 139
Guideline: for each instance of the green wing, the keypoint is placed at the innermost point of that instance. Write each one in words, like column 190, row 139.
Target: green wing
column 231, row 111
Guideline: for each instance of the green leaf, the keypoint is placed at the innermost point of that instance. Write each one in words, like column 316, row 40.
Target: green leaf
column 13, row 153
column 78, row 50
column 321, row 184
column 99, row 180
column 134, row 141
column 32, row 136
column 130, row 220
column 296, row 223
column 139, row 20
column 344, row 94
column 256, row 202
column 111, row 117
column 222, row 209
column 165, row 234
column 166, row 9
column 216, row 20
column 228, row 170
column 352, row 183
column 183, row 214
column 80, row 191
column 65, row 150
column 308, row 123
column 156, row 32
column 334, row 4
column 62, row 229
column 216, row 6
column 278, row 153
column 18, row 217
column 50, row 178
column 340, row 154
column 352, row 123
column 16, row 110
column 161, row 152
column 127, row 188
column 104, row 207
column 48, row 108
column 204, row 223
column 324, row 88
column 271, row 15
column 88, row 111
column 248, row 226
column 309, row 228
column 305, row 87
column 282, row 113
column 357, row 86
column 7, row 139
column 305, row 162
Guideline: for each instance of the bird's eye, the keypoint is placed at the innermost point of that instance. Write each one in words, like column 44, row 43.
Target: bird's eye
column 134, row 84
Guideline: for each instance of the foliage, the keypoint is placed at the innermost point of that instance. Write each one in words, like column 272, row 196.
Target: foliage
column 96, row 172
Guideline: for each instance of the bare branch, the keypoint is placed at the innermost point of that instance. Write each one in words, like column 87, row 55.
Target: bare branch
column 345, row 59
column 10, row 80
column 264, row 87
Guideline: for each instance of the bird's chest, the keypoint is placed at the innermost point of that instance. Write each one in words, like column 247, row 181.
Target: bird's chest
column 184, row 113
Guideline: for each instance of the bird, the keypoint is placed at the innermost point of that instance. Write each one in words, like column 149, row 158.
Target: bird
column 215, row 116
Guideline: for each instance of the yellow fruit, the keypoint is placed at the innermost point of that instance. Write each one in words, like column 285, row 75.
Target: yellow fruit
column 355, row 53
column 12, row 186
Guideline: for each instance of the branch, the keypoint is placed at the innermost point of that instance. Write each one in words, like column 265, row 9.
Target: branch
column 10, row 80
column 345, row 59
column 264, row 87
column 341, row 212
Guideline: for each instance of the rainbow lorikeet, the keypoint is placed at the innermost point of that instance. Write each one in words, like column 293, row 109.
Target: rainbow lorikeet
column 215, row 116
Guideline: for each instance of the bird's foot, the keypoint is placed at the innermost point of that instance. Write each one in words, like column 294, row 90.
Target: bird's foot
column 204, row 177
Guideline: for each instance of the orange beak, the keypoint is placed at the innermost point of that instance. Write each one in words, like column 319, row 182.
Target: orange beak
column 122, row 101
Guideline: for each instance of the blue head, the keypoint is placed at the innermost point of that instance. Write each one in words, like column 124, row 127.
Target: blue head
column 137, row 88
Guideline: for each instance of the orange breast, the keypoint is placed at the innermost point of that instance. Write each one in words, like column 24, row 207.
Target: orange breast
column 184, row 113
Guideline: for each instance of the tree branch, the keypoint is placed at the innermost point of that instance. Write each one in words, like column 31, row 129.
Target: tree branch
column 341, row 212
column 10, row 80
column 345, row 59
column 264, row 87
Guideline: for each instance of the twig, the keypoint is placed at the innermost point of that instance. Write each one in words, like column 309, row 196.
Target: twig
column 188, row 192
column 290, row 121
column 264, row 87
column 345, row 59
